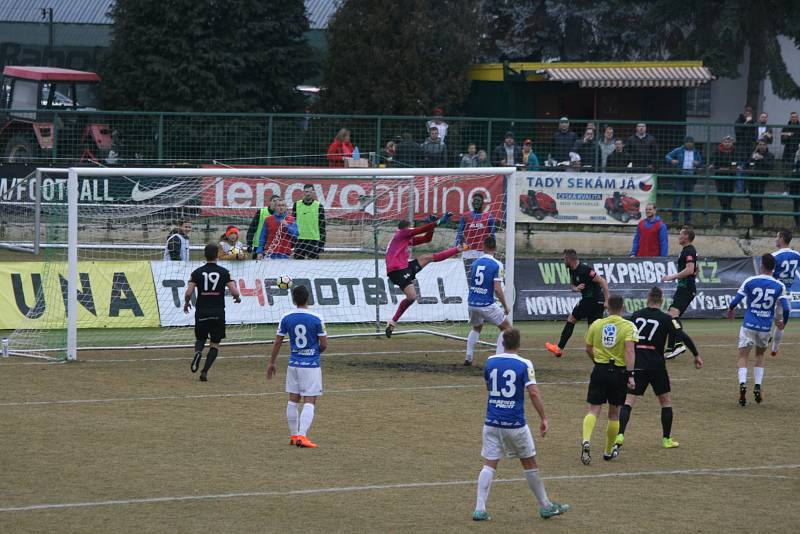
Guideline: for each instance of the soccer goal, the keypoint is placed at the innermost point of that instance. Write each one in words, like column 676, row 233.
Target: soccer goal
column 105, row 279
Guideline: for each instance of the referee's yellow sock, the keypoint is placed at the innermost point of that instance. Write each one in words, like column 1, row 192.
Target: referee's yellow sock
column 612, row 429
column 588, row 426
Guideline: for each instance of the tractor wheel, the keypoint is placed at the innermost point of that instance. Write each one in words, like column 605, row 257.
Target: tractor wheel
column 637, row 215
column 21, row 149
column 625, row 217
column 538, row 214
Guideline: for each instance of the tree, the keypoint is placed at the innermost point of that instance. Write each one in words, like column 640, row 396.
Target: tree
column 400, row 58
column 207, row 55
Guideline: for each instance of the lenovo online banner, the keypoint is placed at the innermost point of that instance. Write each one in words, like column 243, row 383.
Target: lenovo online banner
column 585, row 197
column 544, row 291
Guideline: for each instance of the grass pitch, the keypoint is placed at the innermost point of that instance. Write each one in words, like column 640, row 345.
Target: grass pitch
column 132, row 441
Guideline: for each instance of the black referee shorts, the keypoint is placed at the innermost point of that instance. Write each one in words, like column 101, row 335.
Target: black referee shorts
column 209, row 325
column 608, row 383
column 588, row 309
column 658, row 378
column 682, row 298
column 404, row 277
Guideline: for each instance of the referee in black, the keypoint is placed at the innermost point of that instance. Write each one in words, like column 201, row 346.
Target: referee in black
column 654, row 327
column 687, row 287
column 210, row 280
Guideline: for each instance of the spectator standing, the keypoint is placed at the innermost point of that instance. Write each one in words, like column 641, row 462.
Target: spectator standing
column 762, row 163
column 684, row 160
column 388, row 154
column 310, row 217
column 619, row 160
column 643, row 149
column 470, row 159
column 434, row 151
column 277, row 234
column 794, row 188
column 230, row 248
column 563, row 141
column 606, row 144
column 587, row 150
column 438, row 123
column 763, row 131
column 257, row 223
column 340, row 148
column 177, row 246
column 507, row 154
column 746, row 134
column 650, row 238
column 408, row 152
column 530, row 161
column 482, row 159
column 723, row 163
column 790, row 139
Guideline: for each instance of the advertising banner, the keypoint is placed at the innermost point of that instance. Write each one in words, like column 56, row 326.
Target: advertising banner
column 110, row 295
column 342, row 291
column 544, row 291
column 585, row 197
column 352, row 195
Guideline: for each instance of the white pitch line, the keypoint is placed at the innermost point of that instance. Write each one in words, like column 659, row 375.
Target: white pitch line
column 329, row 392
column 377, row 487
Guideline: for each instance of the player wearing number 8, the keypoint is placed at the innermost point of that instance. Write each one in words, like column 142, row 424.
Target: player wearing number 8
column 307, row 339
column 763, row 293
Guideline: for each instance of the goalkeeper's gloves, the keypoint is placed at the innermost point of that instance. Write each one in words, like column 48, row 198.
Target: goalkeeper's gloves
column 430, row 218
column 444, row 218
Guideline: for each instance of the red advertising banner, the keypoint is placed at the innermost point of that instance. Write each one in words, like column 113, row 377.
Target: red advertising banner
column 383, row 197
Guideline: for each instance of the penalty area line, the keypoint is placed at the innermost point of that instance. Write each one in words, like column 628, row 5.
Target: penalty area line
column 379, row 487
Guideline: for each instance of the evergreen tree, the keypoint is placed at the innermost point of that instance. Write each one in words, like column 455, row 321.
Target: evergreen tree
column 402, row 58
column 207, row 55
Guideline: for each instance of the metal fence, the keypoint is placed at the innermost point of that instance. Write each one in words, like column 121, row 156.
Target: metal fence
column 149, row 139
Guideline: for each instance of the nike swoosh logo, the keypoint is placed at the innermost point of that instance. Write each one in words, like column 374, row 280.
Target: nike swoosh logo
column 137, row 195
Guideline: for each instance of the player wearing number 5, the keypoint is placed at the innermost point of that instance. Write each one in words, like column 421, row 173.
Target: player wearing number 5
column 763, row 294
column 210, row 280
column 787, row 266
column 610, row 346
column 307, row 339
column 486, row 282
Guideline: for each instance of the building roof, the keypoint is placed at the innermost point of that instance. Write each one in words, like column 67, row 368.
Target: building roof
column 600, row 74
column 96, row 11
column 51, row 73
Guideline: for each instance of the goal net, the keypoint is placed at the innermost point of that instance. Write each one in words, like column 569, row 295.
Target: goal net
column 115, row 258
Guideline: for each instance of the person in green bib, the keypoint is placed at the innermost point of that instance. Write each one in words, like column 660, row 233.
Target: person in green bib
column 257, row 223
column 310, row 217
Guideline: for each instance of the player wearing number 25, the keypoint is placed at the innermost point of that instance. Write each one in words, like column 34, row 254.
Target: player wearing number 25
column 308, row 339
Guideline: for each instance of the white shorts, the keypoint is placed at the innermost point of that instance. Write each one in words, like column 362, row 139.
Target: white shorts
column 492, row 314
column 507, row 442
column 752, row 338
column 304, row 381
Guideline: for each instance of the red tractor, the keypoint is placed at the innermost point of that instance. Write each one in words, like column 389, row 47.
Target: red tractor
column 622, row 207
column 31, row 122
column 538, row 205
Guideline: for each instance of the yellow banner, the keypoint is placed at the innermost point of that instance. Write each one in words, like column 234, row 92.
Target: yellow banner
column 110, row 295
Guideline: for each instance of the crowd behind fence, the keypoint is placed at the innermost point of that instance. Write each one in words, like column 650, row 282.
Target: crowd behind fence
column 749, row 167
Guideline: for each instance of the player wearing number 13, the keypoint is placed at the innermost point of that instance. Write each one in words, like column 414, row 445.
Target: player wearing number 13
column 763, row 294
column 505, row 430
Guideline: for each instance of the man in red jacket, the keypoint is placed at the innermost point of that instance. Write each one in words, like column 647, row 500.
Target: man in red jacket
column 650, row 238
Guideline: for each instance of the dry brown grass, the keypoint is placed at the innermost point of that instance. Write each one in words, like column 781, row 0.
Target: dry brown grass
column 149, row 429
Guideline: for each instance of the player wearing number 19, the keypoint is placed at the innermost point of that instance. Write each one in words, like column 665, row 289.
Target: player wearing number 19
column 763, row 294
column 307, row 339
column 505, row 430
column 210, row 280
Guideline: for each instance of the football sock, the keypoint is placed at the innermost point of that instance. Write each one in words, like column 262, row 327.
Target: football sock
column 742, row 375
column 306, row 417
column 501, row 348
column 566, row 333
column 401, row 309
column 666, row 420
column 776, row 339
column 624, row 417
column 484, row 485
column 444, row 254
column 199, row 344
column 672, row 336
column 212, row 355
column 612, row 429
column 291, row 417
column 759, row 374
column 472, row 340
column 588, row 426
column 537, row 487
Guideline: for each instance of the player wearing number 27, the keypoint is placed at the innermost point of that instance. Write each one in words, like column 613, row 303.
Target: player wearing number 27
column 763, row 294
column 505, row 430
column 210, row 280
column 787, row 265
column 307, row 339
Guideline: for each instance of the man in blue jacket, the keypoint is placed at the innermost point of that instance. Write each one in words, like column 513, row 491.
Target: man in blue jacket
column 685, row 160
column 650, row 238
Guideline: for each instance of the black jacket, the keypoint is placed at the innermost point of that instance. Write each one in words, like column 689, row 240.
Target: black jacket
column 562, row 144
column 499, row 155
column 408, row 154
column 642, row 150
